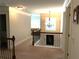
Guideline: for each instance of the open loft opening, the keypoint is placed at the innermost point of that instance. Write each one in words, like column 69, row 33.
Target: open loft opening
column 51, row 20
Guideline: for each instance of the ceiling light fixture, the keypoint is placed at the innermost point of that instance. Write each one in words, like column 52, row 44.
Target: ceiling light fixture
column 49, row 24
column 20, row 7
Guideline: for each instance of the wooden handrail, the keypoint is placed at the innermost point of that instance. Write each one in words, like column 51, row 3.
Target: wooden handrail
column 51, row 32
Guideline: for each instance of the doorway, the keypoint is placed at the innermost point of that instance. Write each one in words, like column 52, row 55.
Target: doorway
column 49, row 39
column 3, row 32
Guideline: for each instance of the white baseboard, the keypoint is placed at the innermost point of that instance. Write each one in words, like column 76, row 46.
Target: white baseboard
column 46, row 46
column 18, row 43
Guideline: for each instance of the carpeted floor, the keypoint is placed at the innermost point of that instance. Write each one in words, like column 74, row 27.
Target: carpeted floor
column 27, row 51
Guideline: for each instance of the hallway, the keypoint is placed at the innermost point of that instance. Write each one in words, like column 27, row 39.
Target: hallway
column 27, row 51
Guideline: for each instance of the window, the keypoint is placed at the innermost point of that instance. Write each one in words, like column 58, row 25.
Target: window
column 35, row 21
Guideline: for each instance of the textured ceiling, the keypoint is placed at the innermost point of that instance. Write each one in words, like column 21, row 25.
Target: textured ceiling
column 33, row 4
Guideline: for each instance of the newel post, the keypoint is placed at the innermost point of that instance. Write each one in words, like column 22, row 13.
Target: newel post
column 13, row 49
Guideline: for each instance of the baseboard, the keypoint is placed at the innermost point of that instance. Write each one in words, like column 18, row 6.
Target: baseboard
column 46, row 46
column 18, row 43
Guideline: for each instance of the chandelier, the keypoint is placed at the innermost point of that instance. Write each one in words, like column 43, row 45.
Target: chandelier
column 49, row 23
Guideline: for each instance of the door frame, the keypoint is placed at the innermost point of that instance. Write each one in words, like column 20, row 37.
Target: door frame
column 67, row 32
column 5, row 27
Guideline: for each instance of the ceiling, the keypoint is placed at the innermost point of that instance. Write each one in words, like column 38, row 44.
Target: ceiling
column 33, row 4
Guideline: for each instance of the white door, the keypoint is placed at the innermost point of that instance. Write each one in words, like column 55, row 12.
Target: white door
column 74, row 31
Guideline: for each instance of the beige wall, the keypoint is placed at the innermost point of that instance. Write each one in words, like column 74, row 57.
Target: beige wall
column 74, row 41
column 19, row 25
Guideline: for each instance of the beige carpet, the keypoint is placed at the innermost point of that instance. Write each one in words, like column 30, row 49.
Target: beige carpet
column 27, row 51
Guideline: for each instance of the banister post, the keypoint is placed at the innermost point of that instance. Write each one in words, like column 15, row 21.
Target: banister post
column 13, row 50
column 33, row 39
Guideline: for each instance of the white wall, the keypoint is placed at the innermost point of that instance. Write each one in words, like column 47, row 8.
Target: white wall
column 74, row 41
column 20, row 23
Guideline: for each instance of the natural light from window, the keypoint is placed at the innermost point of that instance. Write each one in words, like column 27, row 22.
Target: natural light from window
column 35, row 21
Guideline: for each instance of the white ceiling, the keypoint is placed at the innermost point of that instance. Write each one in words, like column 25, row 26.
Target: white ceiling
column 33, row 4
